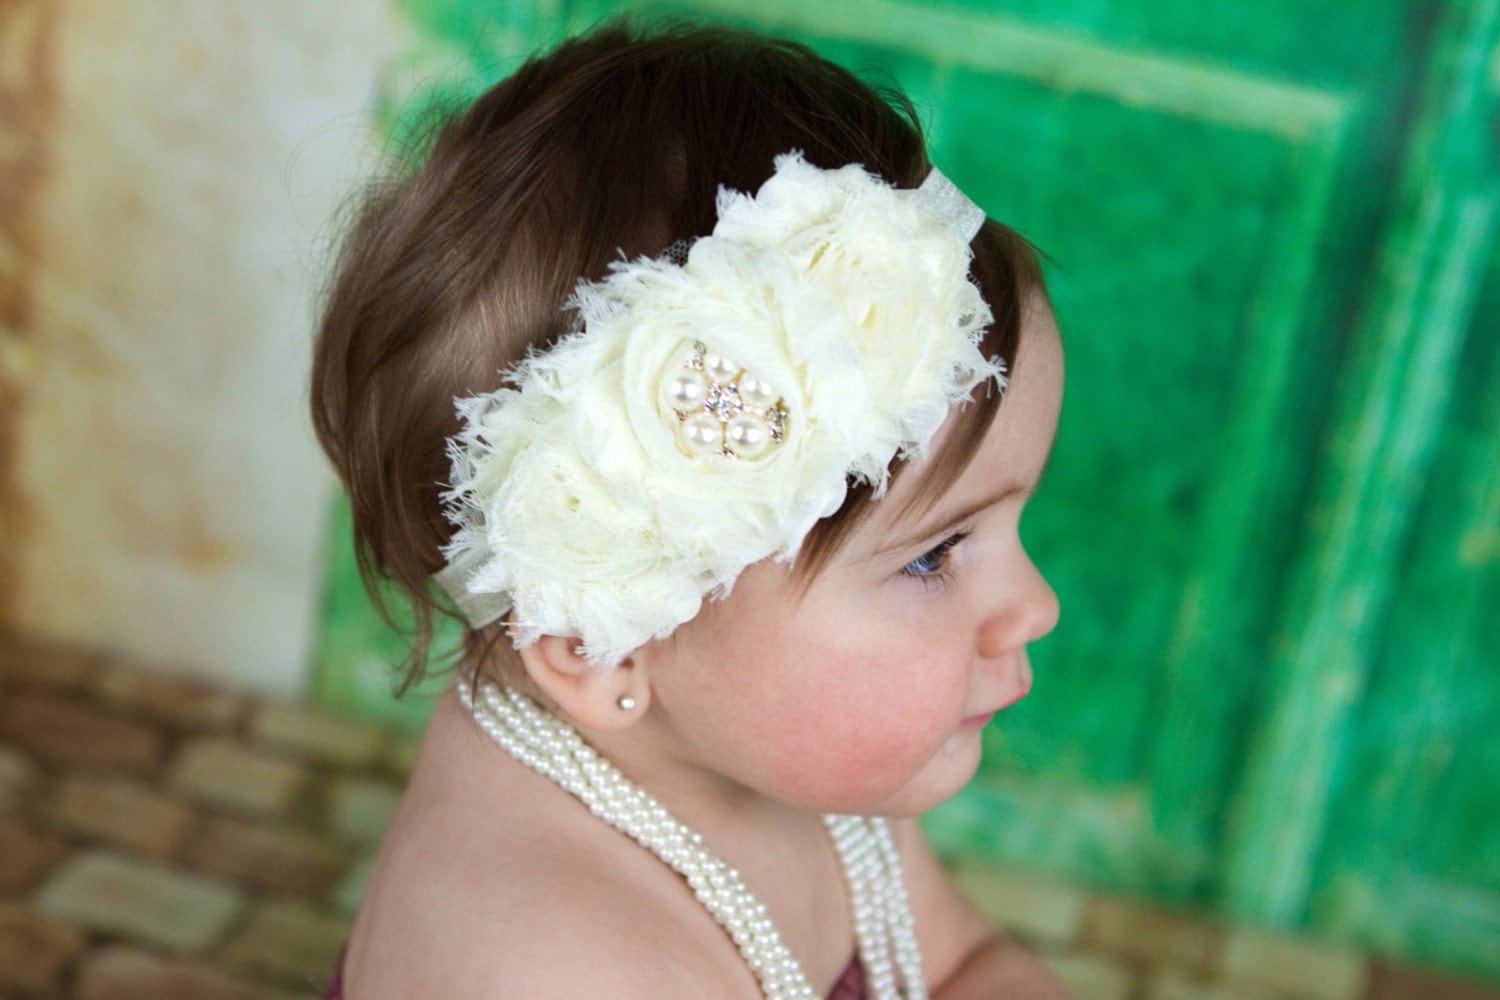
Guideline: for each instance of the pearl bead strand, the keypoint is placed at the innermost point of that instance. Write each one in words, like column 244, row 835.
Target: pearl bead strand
column 882, row 914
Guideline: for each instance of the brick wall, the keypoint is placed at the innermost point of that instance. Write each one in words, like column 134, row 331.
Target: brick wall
column 170, row 839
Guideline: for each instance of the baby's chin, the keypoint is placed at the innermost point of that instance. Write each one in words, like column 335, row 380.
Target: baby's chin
column 942, row 777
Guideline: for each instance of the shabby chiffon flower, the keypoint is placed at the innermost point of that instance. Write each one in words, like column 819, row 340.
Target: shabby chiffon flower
column 581, row 498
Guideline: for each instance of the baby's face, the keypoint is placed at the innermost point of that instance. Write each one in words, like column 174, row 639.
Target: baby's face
column 868, row 692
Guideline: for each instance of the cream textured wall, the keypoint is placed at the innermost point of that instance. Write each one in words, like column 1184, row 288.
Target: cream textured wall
column 172, row 498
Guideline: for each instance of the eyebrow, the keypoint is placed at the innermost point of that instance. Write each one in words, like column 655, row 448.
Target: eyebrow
column 945, row 519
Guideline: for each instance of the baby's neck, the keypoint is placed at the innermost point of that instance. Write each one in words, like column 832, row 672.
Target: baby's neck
column 718, row 807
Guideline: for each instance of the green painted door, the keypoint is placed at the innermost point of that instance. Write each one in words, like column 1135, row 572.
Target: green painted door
column 1272, row 515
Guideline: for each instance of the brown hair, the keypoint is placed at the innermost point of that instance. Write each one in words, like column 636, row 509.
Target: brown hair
column 613, row 144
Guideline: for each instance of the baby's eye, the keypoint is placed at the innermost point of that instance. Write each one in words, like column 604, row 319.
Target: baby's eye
column 934, row 561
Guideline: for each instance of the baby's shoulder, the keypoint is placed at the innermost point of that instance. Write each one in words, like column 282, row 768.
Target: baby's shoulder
column 548, row 924
column 494, row 883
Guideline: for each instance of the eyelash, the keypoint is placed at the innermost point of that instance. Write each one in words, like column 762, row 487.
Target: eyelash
column 942, row 572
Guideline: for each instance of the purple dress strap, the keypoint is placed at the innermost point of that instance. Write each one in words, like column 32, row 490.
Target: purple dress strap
column 851, row 986
column 335, row 989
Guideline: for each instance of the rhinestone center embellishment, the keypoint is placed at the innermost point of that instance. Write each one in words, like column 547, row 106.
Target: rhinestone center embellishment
column 724, row 401
column 721, row 407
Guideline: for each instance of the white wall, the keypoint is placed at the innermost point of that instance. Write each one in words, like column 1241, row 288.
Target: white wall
column 172, row 498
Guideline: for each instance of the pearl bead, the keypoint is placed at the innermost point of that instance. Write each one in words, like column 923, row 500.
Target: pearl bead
column 684, row 391
column 747, row 436
column 703, row 434
column 756, row 392
column 720, row 368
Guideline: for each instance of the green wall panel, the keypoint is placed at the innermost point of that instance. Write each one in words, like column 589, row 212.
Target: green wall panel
column 1312, row 40
column 1425, row 741
column 1351, row 787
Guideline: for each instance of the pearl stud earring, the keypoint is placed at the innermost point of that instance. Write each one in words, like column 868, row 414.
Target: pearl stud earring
column 626, row 703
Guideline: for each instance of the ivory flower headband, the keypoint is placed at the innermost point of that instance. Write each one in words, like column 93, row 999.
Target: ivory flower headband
column 706, row 414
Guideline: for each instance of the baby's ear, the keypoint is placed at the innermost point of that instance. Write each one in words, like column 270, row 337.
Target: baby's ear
column 594, row 697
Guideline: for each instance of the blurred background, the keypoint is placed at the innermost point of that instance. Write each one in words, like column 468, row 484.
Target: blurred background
column 1273, row 515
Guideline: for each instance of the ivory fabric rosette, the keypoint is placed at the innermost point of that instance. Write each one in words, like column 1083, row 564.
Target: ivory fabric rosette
column 706, row 415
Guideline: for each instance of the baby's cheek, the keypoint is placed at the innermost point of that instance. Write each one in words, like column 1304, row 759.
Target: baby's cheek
column 858, row 760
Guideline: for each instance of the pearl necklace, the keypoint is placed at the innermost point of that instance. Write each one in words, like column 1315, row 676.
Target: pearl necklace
column 883, row 924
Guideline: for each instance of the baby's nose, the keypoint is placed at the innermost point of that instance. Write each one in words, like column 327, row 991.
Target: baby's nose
column 1028, row 610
